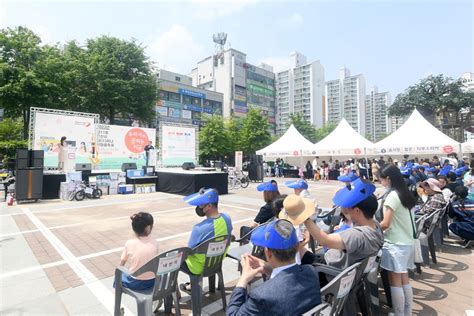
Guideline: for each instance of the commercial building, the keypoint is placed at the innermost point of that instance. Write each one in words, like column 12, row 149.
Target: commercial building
column 180, row 102
column 376, row 114
column 242, row 84
column 345, row 98
column 300, row 89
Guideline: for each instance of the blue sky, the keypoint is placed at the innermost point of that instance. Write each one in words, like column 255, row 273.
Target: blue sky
column 392, row 43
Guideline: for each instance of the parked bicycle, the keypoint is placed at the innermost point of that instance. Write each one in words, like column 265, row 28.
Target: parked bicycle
column 237, row 179
column 83, row 190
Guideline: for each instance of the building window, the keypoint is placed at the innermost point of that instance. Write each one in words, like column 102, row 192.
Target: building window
column 174, row 97
column 177, row 78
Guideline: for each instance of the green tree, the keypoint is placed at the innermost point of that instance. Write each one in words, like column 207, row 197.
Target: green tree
column 324, row 131
column 11, row 138
column 119, row 82
column 254, row 132
column 303, row 126
column 28, row 74
column 233, row 127
column 213, row 139
column 436, row 95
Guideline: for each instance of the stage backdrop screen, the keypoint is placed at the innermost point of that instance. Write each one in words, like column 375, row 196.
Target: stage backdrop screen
column 49, row 128
column 104, row 146
column 119, row 144
column 178, row 145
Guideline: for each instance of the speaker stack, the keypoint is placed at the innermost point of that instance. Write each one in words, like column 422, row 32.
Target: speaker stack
column 255, row 168
column 29, row 174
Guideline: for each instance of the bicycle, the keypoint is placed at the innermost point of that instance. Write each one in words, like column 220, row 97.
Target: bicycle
column 244, row 179
column 83, row 190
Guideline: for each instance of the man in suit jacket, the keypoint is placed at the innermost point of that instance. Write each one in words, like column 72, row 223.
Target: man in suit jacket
column 291, row 289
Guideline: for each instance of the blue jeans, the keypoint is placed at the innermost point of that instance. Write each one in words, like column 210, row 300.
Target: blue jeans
column 134, row 284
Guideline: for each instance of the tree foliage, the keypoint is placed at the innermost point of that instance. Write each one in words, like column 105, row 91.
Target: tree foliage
column 108, row 76
column 303, row 126
column 11, row 138
column 324, row 131
column 435, row 95
column 254, row 132
column 213, row 139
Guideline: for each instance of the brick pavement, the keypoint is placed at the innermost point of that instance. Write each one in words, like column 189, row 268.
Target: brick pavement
column 95, row 231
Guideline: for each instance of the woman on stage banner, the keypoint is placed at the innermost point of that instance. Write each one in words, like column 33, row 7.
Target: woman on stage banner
column 62, row 153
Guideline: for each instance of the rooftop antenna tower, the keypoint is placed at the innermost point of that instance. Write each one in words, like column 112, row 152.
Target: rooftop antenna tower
column 219, row 39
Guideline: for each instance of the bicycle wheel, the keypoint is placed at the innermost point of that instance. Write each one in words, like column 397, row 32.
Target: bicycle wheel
column 71, row 195
column 97, row 193
column 237, row 183
column 80, row 195
column 244, row 182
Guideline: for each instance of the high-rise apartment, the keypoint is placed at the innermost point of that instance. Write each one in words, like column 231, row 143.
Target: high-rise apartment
column 376, row 119
column 345, row 98
column 300, row 89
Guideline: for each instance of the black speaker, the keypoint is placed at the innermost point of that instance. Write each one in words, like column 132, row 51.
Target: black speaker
column 188, row 165
column 22, row 154
column 83, row 167
column 22, row 163
column 29, row 184
column 259, row 159
column 37, row 163
column 37, row 154
column 256, row 172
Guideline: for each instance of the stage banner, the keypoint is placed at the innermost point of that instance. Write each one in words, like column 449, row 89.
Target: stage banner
column 178, row 145
column 79, row 132
column 119, row 144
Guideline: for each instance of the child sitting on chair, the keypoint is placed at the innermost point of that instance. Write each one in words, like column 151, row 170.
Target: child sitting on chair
column 139, row 251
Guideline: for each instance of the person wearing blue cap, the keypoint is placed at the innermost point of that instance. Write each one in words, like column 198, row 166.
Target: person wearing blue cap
column 291, row 289
column 364, row 239
column 300, row 187
column 216, row 224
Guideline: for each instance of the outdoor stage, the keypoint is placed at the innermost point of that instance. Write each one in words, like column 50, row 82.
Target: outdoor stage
column 186, row 182
column 170, row 180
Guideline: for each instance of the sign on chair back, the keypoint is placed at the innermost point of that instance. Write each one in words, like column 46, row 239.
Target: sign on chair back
column 214, row 250
column 166, row 268
column 335, row 293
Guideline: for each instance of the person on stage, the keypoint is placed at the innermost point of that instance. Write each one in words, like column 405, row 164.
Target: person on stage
column 147, row 151
column 62, row 152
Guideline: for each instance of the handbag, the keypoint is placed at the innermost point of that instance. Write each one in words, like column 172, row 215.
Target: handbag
column 417, row 244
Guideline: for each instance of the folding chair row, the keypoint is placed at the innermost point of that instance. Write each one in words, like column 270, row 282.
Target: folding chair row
column 166, row 267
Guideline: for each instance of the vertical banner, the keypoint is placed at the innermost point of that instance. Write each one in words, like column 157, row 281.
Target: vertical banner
column 178, row 145
column 238, row 160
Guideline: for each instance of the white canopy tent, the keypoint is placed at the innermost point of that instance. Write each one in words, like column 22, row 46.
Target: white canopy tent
column 468, row 147
column 290, row 144
column 416, row 136
column 342, row 141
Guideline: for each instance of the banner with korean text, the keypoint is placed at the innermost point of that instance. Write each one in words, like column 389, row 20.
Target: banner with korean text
column 178, row 145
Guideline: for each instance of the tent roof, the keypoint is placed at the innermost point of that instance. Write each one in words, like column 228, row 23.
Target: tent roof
column 468, row 147
column 417, row 135
column 289, row 144
column 342, row 141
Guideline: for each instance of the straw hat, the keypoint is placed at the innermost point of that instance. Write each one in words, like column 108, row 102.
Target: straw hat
column 296, row 209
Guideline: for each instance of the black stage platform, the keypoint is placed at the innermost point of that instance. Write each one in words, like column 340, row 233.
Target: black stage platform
column 186, row 182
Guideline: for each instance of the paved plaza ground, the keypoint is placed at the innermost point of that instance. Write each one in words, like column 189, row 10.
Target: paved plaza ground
column 58, row 258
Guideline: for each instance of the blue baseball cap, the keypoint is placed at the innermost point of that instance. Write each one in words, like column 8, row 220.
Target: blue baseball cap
column 405, row 171
column 459, row 171
column 297, row 184
column 267, row 186
column 279, row 234
column 348, row 178
column 204, row 196
column 444, row 171
column 353, row 194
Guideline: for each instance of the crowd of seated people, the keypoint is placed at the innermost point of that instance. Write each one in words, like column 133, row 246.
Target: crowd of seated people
column 285, row 223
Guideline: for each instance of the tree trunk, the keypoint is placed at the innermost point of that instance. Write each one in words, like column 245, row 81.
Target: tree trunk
column 111, row 116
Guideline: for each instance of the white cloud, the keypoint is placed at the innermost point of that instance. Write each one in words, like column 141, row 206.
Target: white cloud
column 295, row 20
column 212, row 9
column 176, row 50
column 278, row 63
